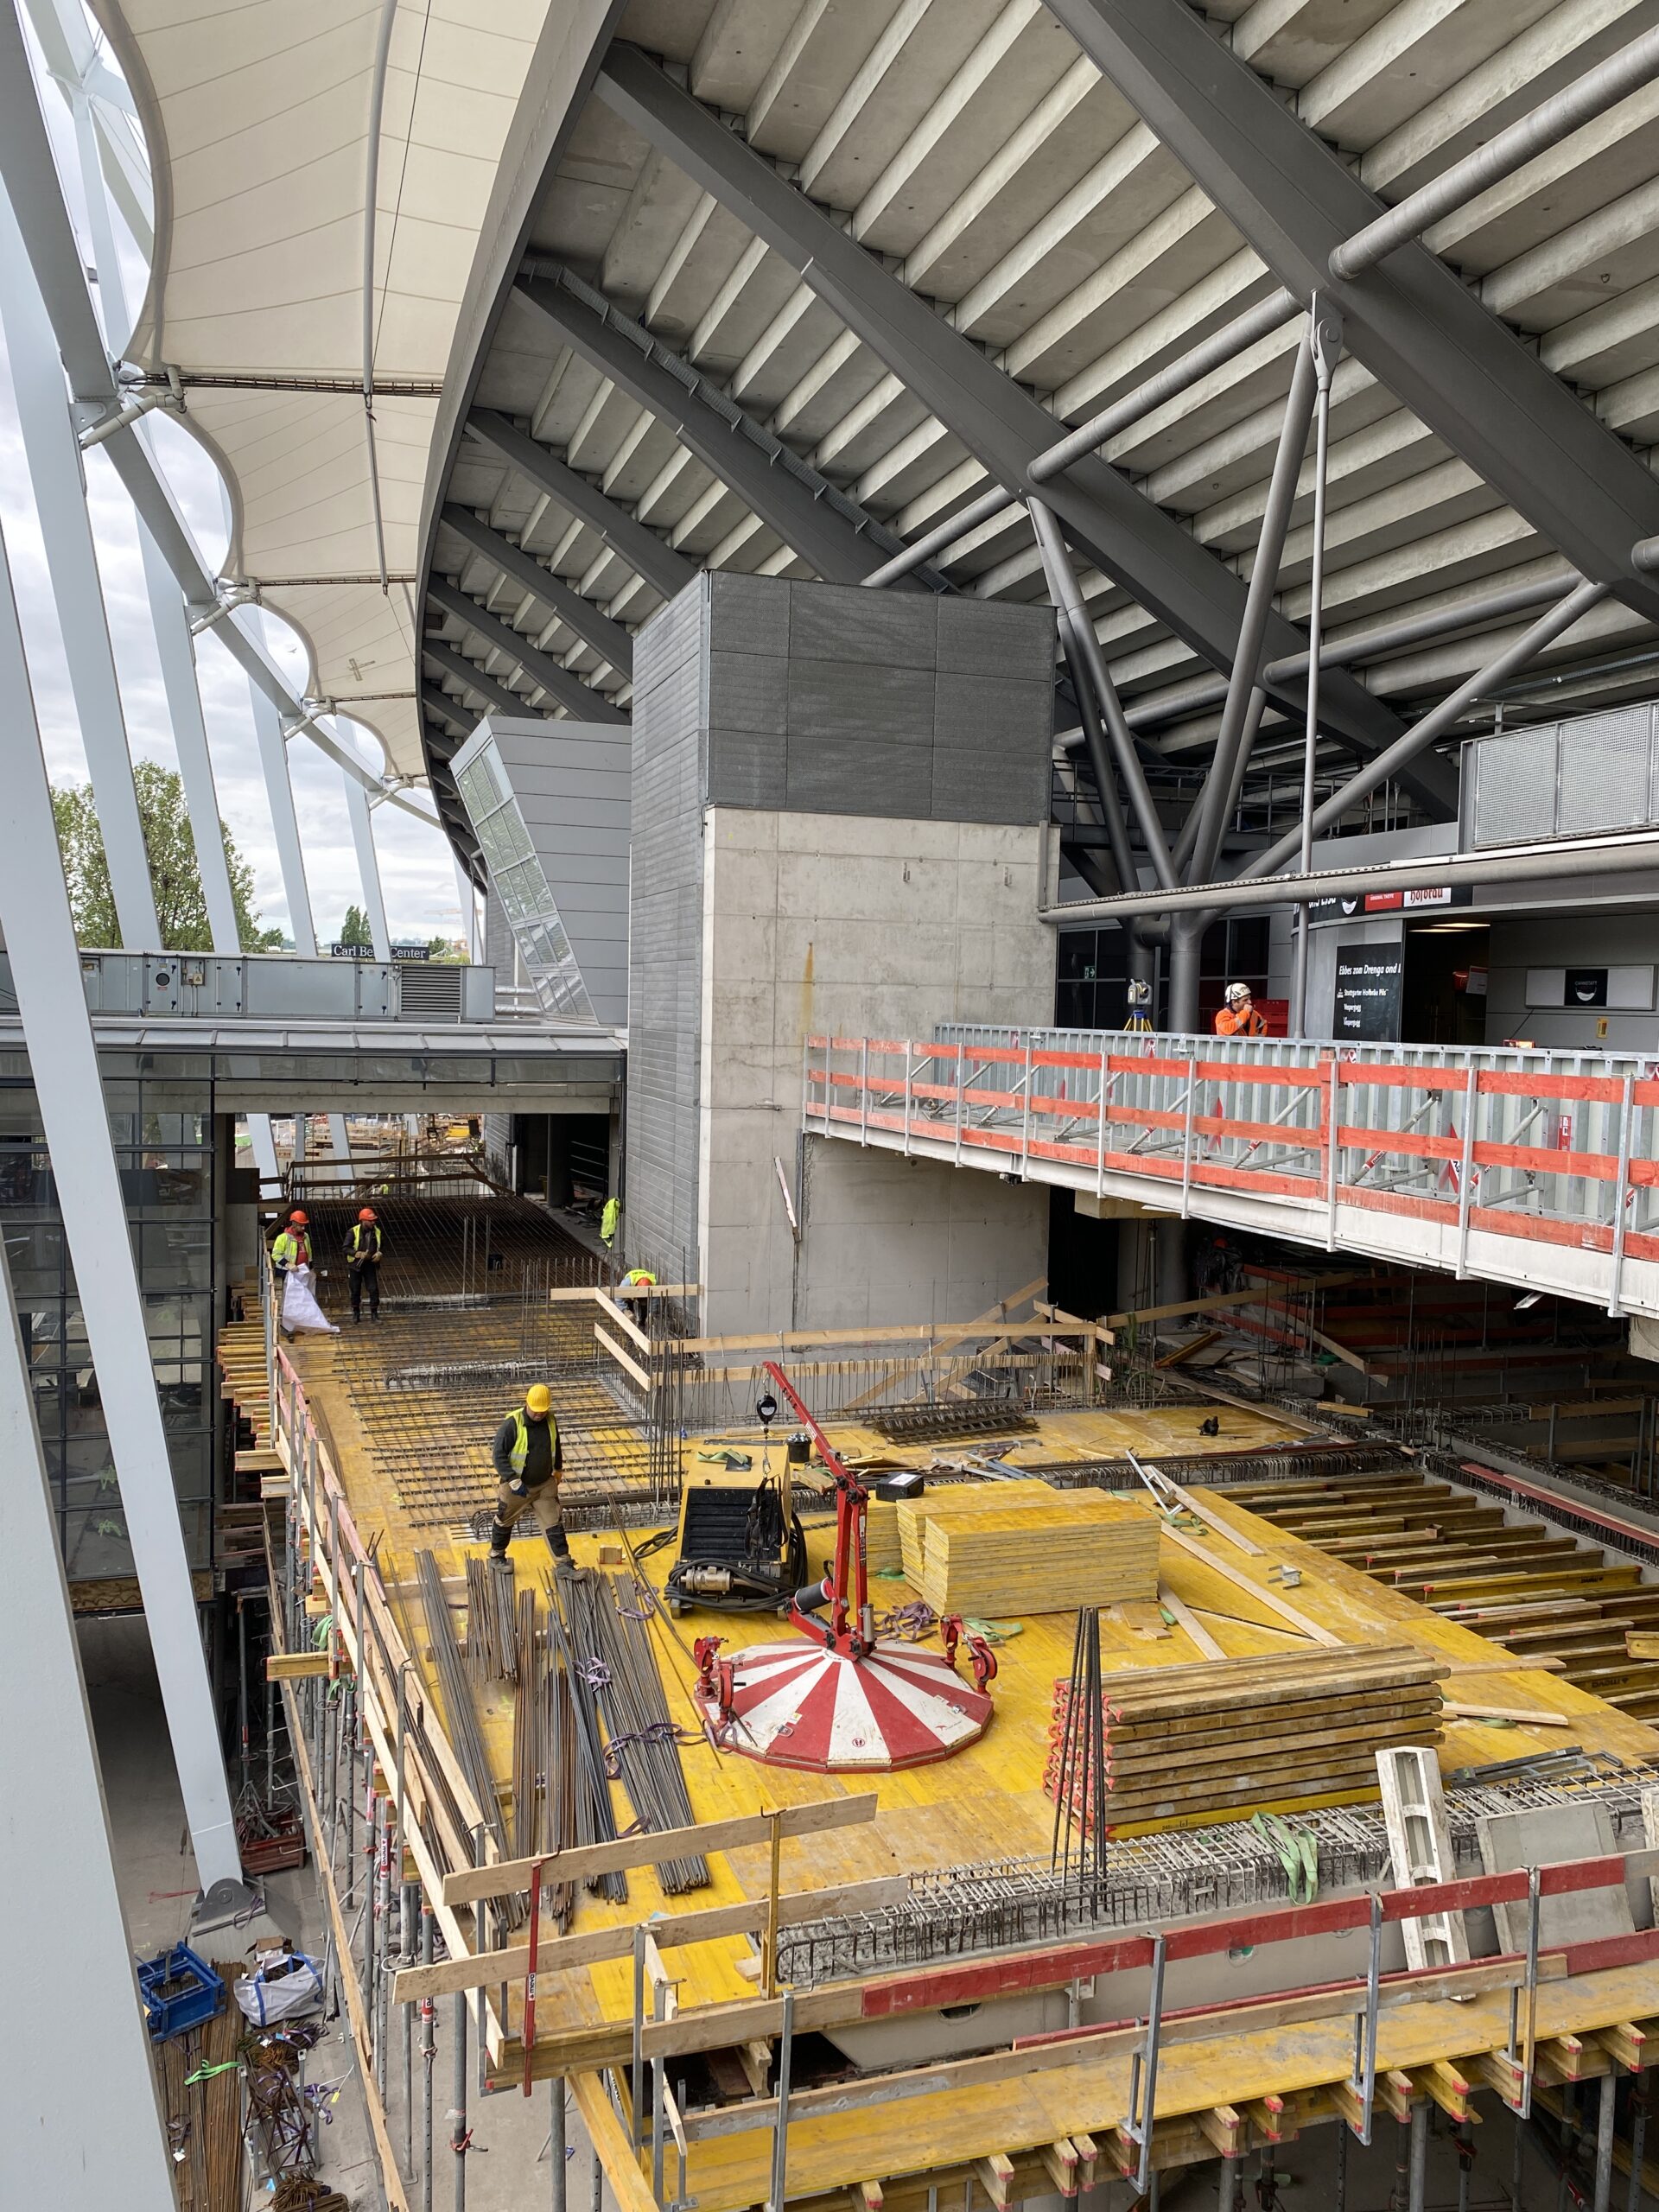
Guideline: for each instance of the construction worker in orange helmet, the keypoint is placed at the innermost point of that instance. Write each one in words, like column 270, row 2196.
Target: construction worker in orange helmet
column 293, row 1246
column 365, row 1250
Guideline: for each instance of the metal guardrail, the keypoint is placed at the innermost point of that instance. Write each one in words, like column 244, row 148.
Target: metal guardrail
column 1479, row 1160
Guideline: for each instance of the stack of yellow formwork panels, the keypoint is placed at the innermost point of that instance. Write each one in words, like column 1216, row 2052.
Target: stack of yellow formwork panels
column 1082, row 1549
column 913, row 1514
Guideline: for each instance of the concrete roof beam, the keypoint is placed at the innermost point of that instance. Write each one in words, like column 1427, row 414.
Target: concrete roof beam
column 749, row 547
column 888, row 414
column 1401, row 514
column 1163, row 258
column 643, row 451
column 916, row 460
column 662, row 202
column 606, row 420
column 1223, row 482
column 1611, row 250
column 1374, row 463
column 1127, row 187
column 1475, row 553
column 742, row 309
column 810, row 72
column 1238, row 282
column 571, row 387
column 1631, row 407
column 676, row 483
column 703, row 257
column 841, row 376
column 783, row 351
column 1031, row 166
column 917, row 51
column 1292, row 40
column 708, row 519
column 1236, row 410
column 1559, row 188
column 1609, row 343
column 1376, row 82
column 737, row 46
column 1570, row 38
column 1008, row 72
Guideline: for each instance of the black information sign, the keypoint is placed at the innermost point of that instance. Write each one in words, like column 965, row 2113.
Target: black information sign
column 1371, row 979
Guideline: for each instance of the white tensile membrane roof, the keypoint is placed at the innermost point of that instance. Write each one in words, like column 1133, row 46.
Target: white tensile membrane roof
column 258, row 119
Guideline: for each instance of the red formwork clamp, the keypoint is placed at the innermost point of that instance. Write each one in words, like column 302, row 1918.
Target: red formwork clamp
column 703, row 1652
column 983, row 1659
column 951, row 1626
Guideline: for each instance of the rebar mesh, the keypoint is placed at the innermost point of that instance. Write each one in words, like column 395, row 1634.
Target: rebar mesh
column 958, row 1911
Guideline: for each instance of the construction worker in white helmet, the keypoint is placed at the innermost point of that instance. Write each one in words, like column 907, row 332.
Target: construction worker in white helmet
column 529, row 1461
column 1239, row 1016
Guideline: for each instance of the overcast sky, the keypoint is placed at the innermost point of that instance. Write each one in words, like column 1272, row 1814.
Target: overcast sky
column 416, row 874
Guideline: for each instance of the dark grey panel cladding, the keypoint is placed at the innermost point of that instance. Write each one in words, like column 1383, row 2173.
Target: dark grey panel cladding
column 828, row 699
column 665, row 933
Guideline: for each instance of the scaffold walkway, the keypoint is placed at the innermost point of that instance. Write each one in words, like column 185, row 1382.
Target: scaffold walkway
column 1526, row 1167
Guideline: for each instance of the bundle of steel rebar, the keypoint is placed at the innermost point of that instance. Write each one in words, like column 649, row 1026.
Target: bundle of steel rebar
column 491, row 1630
column 642, row 1750
column 1080, row 1758
column 530, row 1773
column 458, row 1710
column 590, row 1794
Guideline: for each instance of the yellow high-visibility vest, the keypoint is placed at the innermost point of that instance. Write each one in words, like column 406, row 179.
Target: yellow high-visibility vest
column 520, row 1451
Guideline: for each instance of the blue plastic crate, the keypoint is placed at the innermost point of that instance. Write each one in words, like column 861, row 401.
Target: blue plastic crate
column 180, row 1991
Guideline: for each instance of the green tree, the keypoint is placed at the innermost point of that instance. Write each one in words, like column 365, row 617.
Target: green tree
column 170, row 845
column 449, row 949
column 354, row 929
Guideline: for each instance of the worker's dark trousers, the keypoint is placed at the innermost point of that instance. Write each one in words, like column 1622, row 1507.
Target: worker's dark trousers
column 368, row 1274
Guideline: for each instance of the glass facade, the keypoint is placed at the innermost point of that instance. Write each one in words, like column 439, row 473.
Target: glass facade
column 1092, row 979
column 164, row 1137
column 531, row 910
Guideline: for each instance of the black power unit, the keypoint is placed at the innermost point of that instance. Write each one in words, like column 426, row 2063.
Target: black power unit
column 735, row 1556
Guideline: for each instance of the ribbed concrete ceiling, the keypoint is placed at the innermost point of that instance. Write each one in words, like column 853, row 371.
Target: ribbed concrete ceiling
column 971, row 145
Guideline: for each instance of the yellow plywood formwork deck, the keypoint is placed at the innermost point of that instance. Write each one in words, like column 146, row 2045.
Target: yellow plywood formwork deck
column 1221, row 1598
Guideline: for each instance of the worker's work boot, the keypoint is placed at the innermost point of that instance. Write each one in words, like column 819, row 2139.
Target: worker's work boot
column 559, row 1544
column 498, row 1538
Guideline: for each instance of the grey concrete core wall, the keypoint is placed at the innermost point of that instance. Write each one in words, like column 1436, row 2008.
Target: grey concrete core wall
column 838, row 797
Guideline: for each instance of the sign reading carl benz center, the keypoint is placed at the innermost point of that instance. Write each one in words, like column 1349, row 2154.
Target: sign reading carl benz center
column 1369, row 978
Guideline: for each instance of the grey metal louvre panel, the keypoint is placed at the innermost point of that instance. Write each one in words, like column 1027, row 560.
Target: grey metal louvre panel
column 1605, row 771
column 665, row 926
column 1515, row 789
column 430, row 990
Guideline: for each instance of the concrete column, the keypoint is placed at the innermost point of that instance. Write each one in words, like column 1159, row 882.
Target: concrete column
column 39, row 934
column 1133, row 1265
column 1169, row 1238
column 264, row 1149
column 76, row 1963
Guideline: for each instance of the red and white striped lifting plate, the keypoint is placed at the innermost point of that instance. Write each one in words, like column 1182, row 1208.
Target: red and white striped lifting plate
column 798, row 1704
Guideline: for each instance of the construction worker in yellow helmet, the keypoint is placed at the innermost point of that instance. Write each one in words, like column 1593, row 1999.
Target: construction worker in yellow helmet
column 529, row 1461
